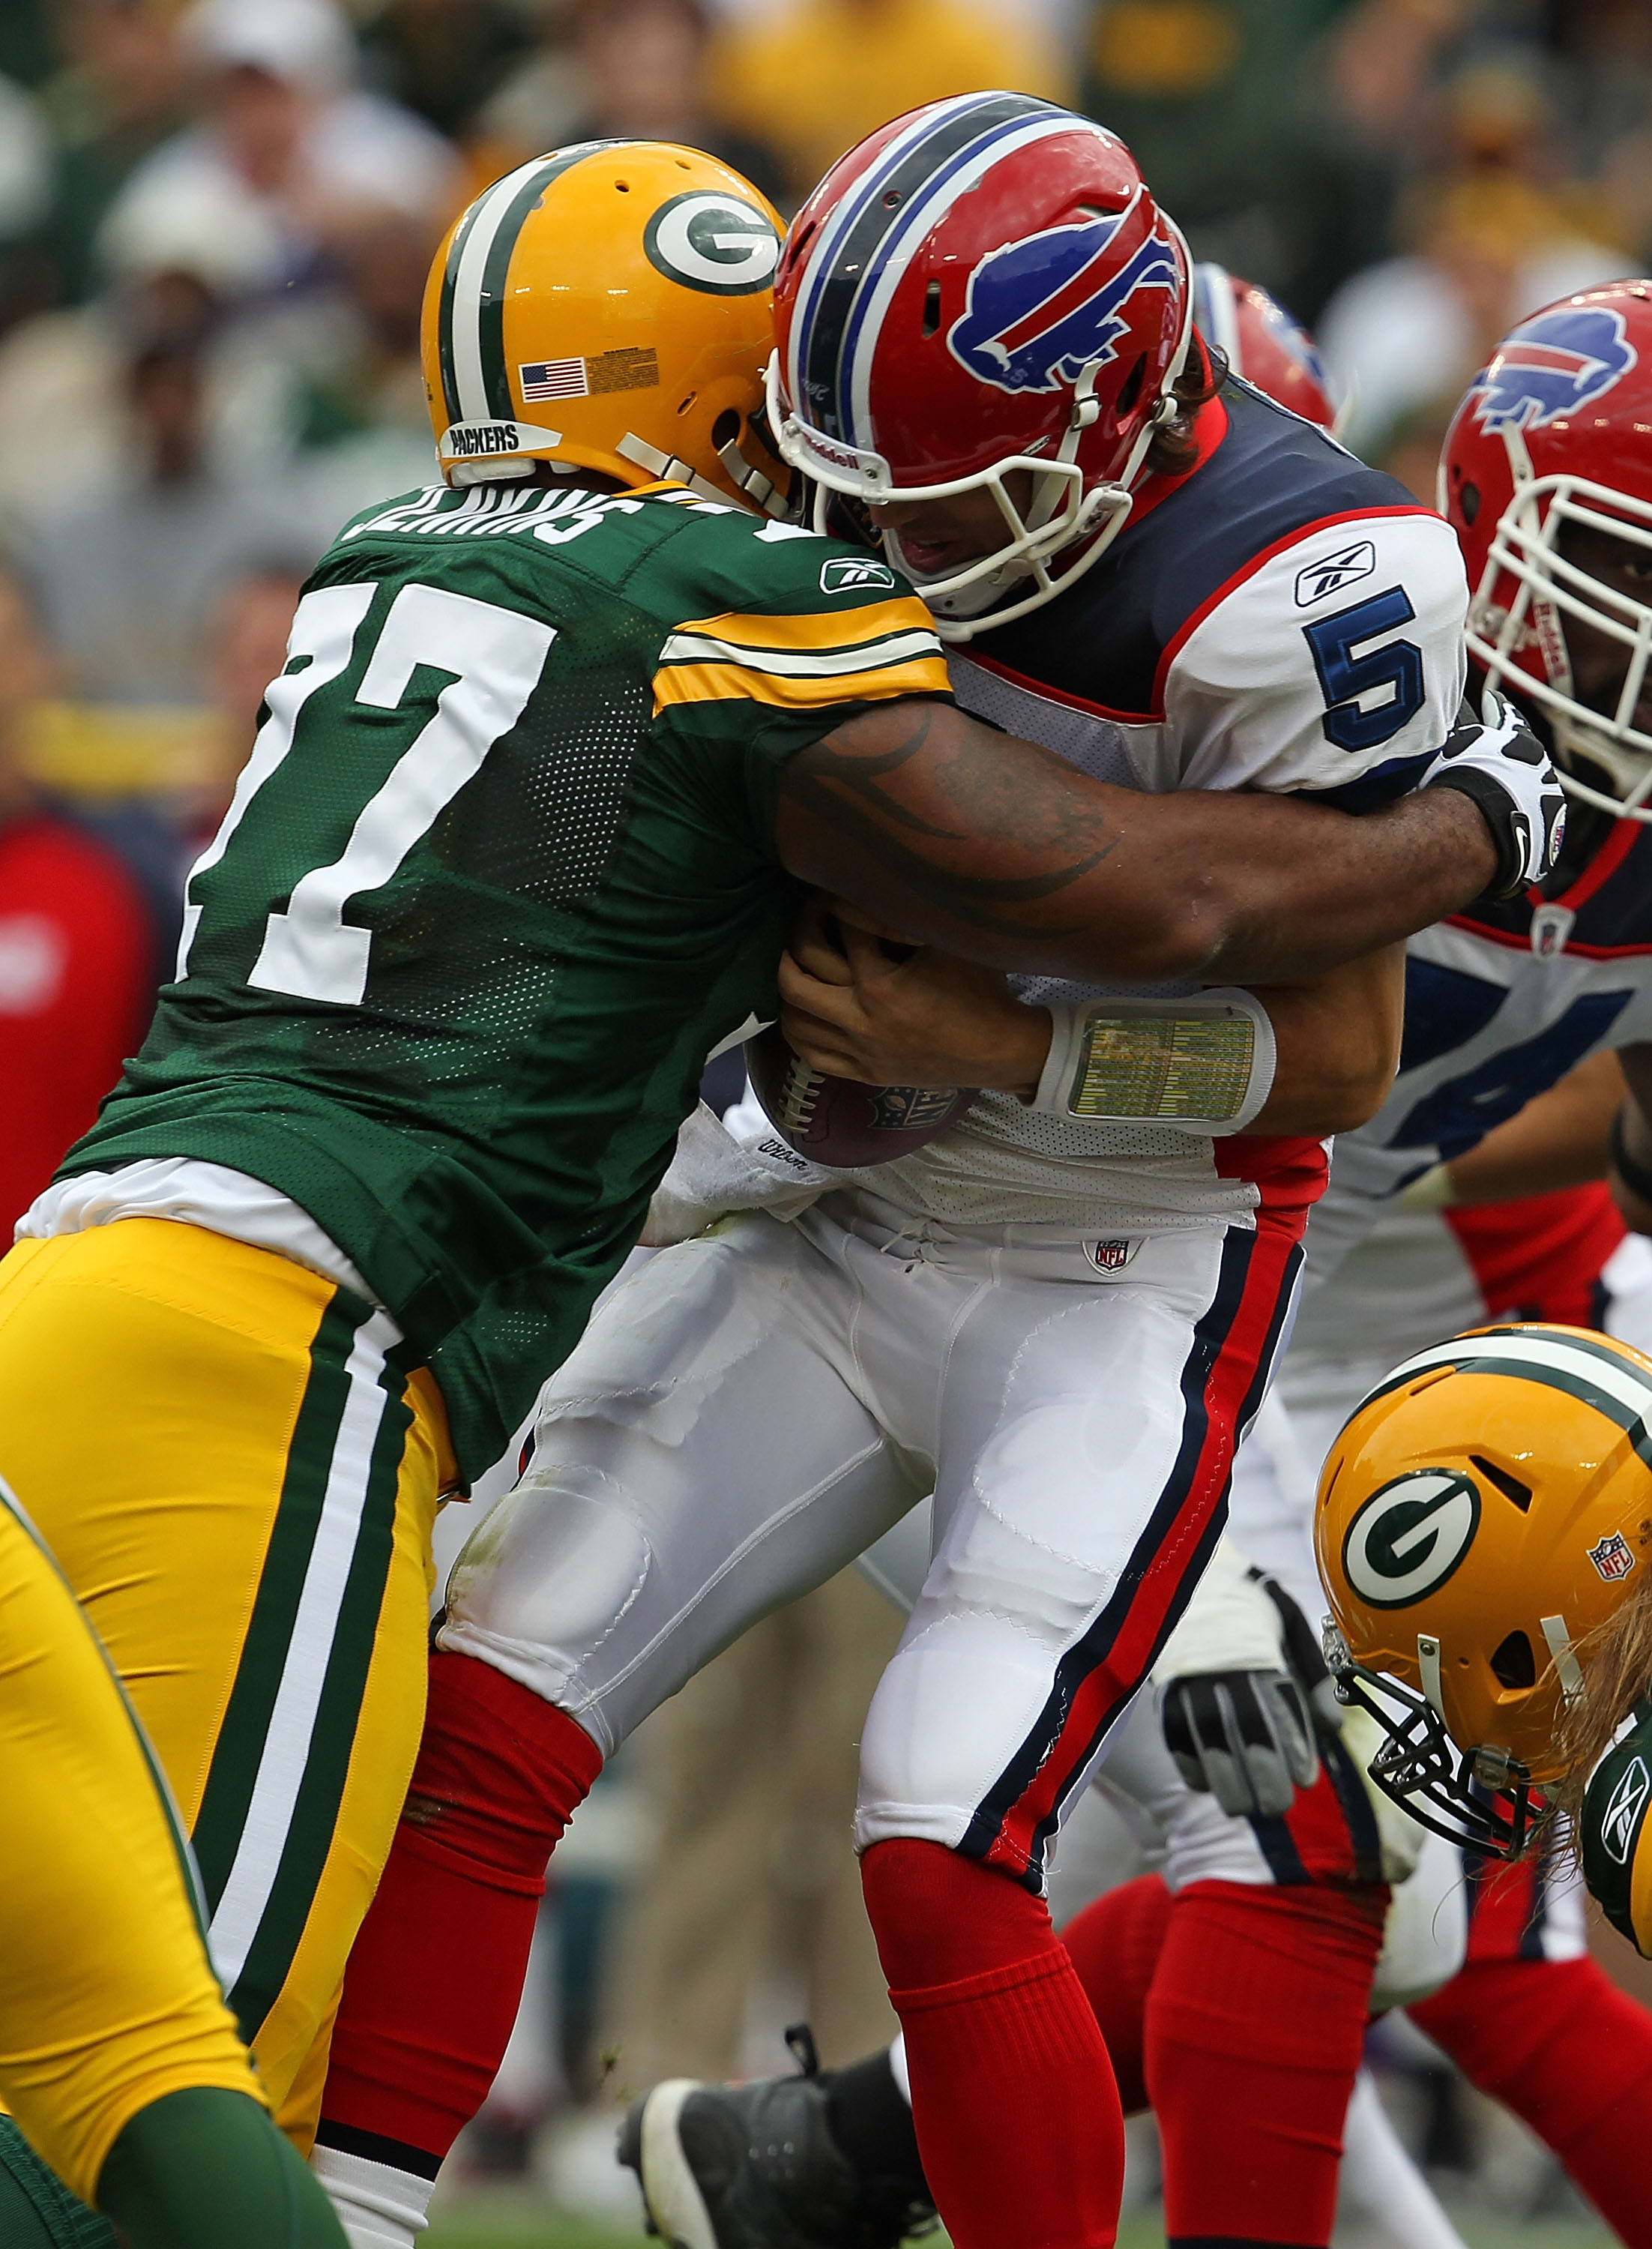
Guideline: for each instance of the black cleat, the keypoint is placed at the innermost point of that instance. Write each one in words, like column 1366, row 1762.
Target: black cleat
column 756, row 2167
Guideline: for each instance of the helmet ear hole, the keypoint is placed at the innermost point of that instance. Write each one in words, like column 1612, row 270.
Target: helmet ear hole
column 1469, row 501
column 1514, row 1663
column 1511, row 1486
column 725, row 431
column 1130, row 390
column 931, row 308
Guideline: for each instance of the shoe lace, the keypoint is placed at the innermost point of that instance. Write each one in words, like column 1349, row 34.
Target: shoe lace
column 885, row 2213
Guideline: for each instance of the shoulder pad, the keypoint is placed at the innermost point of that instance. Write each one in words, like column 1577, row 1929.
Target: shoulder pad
column 1617, row 1847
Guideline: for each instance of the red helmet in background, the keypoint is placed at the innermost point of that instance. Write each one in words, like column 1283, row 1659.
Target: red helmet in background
column 1557, row 431
column 1261, row 342
column 981, row 286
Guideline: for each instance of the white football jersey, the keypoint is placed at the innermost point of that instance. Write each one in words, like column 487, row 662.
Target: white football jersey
column 1286, row 619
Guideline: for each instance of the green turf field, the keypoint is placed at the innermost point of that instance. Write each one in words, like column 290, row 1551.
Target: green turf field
column 497, row 2222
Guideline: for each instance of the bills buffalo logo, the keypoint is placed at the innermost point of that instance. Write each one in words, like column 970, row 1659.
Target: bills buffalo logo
column 1410, row 1537
column 1039, row 311
column 1294, row 340
column 1612, row 1557
column 1551, row 365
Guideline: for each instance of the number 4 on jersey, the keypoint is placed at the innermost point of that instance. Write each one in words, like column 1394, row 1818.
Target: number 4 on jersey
column 496, row 656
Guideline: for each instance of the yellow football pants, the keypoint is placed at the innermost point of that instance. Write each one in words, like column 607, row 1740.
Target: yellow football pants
column 106, row 2000
column 237, row 1473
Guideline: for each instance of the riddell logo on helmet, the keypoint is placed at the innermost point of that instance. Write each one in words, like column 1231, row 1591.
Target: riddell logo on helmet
column 1550, row 366
column 1039, row 311
column 1613, row 1558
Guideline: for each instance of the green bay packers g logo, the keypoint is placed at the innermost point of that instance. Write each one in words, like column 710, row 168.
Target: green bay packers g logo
column 1410, row 1537
column 713, row 242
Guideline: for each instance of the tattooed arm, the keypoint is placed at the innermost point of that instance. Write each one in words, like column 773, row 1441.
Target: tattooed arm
column 997, row 850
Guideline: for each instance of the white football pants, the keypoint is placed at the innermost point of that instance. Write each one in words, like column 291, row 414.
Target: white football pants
column 758, row 1405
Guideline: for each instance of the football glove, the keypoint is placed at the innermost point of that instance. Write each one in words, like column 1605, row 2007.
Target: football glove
column 1245, row 1692
column 1500, row 763
column 1246, row 1738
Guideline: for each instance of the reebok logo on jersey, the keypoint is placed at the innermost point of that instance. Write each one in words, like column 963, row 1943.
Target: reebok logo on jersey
column 1621, row 1822
column 848, row 572
column 1550, row 366
column 1332, row 571
column 1039, row 311
column 1410, row 1537
column 1612, row 1558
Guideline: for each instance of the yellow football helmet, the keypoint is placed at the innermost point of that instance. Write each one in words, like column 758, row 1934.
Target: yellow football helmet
column 609, row 306
column 1483, row 1511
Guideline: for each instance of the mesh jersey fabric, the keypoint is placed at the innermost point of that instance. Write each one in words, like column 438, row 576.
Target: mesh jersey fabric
column 499, row 873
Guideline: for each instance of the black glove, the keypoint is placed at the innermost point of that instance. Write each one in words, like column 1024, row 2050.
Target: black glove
column 1502, row 765
column 1248, row 1738
column 1244, row 1736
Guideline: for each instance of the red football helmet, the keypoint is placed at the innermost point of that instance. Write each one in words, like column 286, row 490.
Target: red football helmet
column 983, row 286
column 1556, row 431
column 1261, row 342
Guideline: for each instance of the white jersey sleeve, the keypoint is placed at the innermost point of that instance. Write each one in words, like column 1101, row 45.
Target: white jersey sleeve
column 1334, row 663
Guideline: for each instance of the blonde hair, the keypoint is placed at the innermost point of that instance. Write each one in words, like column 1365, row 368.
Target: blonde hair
column 1616, row 1659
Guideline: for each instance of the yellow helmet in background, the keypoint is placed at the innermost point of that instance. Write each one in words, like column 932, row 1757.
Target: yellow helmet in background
column 1483, row 1511
column 610, row 306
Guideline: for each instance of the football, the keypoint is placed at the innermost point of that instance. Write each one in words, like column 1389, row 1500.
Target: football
column 838, row 1121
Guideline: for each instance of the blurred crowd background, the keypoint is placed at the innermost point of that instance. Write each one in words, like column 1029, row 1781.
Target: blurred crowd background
column 216, row 220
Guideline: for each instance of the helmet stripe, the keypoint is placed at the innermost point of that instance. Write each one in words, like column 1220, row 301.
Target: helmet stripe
column 883, row 273
column 1591, row 1373
column 444, row 313
column 840, row 260
column 470, row 337
column 817, row 269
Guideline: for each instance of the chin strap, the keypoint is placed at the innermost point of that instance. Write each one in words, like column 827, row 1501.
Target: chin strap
column 667, row 468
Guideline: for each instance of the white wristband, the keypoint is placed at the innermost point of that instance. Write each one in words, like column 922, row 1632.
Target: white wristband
column 1200, row 1065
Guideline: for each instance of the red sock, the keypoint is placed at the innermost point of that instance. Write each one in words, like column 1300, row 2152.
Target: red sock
column 1255, row 2027
column 1114, row 1946
column 436, row 1972
column 1561, row 2046
column 1012, row 2097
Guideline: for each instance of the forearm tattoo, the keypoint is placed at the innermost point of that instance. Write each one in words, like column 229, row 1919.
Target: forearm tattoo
column 846, row 793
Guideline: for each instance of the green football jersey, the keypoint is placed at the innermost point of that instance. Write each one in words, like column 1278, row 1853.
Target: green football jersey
column 498, row 874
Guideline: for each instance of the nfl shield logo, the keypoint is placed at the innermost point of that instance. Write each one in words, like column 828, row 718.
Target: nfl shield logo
column 1612, row 1557
column 1108, row 1256
column 910, row 1107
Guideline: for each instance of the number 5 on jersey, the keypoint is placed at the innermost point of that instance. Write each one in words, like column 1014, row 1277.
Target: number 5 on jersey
column 496, row 656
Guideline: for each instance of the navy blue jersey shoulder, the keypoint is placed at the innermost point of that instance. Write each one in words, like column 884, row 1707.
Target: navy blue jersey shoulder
column 1272, row 476
column 1611, row 914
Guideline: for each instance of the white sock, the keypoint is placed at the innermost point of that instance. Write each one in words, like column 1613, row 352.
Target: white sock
column 898, row 2068
column 379, row 2206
